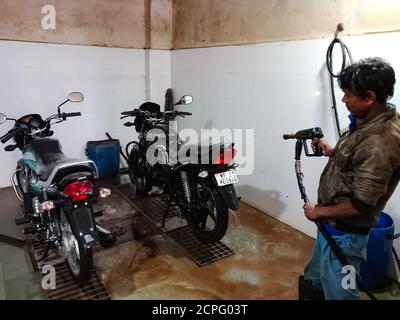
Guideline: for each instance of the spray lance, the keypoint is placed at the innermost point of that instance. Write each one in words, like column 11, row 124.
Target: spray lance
column 302, row 137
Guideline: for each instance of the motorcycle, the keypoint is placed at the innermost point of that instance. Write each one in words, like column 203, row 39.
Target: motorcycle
column 204, row 193
column 57, row 192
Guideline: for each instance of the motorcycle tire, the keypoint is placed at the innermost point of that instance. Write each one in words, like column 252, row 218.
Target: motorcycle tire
column 139, row 178
column 216, row 206
column 85, row 268
column 80, row 261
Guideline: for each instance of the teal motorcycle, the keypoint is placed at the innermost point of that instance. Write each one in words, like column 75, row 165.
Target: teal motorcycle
column 57, row 191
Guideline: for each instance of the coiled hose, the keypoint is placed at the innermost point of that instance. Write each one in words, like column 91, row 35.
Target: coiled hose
column 329, row 63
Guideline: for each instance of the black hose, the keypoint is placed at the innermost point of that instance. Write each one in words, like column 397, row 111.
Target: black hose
column 332, row 243
column 345, row 52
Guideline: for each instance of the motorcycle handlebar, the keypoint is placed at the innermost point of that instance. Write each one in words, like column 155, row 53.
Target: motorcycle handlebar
column 183, row 113
column 10, row 134
column 131, row 113
column 72, row 114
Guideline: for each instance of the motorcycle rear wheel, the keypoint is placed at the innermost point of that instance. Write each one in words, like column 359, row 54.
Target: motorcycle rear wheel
column 209, row 221
column 79, row 260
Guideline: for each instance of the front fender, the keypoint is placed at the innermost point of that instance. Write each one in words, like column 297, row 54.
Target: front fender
column 82, row 224
column 228, row 194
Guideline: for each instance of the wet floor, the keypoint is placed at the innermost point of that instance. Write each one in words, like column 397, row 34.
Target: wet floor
column 269, row 257
column 144, row 264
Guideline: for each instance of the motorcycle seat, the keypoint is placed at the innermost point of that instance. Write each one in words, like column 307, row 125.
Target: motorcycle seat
column 46, row 155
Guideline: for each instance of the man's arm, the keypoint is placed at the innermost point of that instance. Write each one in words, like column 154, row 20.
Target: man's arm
column 341, row 210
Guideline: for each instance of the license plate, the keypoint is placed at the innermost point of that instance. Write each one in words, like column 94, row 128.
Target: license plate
column 225, row 178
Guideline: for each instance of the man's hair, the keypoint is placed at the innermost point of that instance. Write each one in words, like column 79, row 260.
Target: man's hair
column 374, row 74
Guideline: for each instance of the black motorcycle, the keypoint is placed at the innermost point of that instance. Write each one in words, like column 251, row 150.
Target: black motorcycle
column 204, row 192
column 57, row 191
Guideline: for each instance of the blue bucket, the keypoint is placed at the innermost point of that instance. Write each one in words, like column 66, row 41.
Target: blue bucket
column 105, row 154
column 379, row 251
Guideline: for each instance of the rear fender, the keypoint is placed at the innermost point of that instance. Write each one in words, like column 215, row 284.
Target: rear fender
column 81, row 220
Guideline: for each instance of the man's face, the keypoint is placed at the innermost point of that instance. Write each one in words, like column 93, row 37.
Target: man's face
column 358, row 106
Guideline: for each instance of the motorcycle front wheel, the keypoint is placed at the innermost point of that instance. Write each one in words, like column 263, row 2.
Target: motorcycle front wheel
column 79, row 259
column 209, row 220
column 138, row 173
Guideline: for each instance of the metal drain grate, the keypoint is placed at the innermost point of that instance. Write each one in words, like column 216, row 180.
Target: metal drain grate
column 66, row 288
column 202, row 254
column 153, row 208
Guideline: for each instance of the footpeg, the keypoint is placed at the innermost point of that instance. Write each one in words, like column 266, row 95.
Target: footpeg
column 24, row 220
column 31, row 229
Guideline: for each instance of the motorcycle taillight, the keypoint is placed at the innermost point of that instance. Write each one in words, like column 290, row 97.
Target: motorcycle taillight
column 226, row 156
column 79, row 190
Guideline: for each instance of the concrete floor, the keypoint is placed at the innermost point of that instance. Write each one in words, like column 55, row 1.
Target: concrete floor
column 269, row 257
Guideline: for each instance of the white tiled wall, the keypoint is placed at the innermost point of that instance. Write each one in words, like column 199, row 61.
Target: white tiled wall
column 35, row 78
column 158, row 69
column 274, row 89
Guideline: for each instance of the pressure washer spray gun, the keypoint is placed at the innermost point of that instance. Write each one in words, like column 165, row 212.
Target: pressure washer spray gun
column 302, row 137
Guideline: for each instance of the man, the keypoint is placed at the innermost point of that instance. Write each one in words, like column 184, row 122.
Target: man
column 361, row 175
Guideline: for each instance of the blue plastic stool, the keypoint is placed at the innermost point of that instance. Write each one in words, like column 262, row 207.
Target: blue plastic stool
column 379, row 251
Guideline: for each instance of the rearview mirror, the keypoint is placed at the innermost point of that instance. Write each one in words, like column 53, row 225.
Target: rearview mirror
column 186, row 100
column 75, row 97
column 3, row 118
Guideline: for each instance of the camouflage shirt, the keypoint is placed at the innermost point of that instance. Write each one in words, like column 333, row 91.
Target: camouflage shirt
column 364, row 168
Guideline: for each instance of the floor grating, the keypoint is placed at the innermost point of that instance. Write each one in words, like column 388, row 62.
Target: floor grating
column 66, row 288
column 154, row 209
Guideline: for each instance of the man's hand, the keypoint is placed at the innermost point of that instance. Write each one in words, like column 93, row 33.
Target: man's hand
column 311, row 211
column 342, row 210
column 325, row 147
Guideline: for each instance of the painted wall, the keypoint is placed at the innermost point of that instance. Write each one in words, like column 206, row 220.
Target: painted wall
column 35, row 78
column 116, row 23
column 226, row 22
column 274, row 89
column 161, row 24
